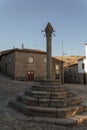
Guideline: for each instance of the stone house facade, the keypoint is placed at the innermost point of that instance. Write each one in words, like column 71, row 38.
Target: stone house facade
column 77, row 73
column 71, row 74
column 29, row 64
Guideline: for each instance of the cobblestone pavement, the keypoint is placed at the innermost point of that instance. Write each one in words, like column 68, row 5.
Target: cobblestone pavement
column 13, row 120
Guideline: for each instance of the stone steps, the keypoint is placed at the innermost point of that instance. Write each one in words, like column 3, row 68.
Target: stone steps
column 46, row 111
column 72, row 121
column 49, row 102
column 48, row 82
column 48, row 88
column 43, row 101
column 44, row 94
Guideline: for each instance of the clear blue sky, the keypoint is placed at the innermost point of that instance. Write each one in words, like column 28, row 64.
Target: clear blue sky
column 21, row 22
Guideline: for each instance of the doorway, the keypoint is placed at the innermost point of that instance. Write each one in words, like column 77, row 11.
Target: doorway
column 84, row 78
column 31, row 76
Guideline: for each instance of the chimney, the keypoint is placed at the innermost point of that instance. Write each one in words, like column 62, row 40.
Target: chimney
column 86, row 50
column 22, row 46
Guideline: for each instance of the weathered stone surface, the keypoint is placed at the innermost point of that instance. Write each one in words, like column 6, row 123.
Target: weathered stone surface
column 37, row 94
column 69, row 111
column 11, row 119
column 48, row 101
column 41, row 111
column 64, row 102
column 50, row 88
column 44, row 94
column 29, row 100
column 48, row 82
column 73, row 100
column 43, row 102
column 59, row 95
column 58, row 121
column 46, row 111
column 33, row 111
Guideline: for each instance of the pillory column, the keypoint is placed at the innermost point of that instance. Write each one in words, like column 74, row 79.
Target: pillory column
column 48, row 31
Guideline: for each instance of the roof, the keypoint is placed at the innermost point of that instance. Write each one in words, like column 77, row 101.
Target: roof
column 72, row 65
column 82, row 58
column 57, row 59
column 6, row 52
column 69, row 60
column 22, row 50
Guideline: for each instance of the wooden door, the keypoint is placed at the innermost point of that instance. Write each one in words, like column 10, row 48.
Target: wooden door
column 31, row 75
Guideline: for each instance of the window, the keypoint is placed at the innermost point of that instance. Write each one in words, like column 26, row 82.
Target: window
column 56, row 67
column 56, row 71
column 82, row 65
column 31, row 60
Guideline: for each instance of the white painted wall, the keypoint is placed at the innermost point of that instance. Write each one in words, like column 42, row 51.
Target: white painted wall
column 85, row 62
column 80, row 70
column 86, row 50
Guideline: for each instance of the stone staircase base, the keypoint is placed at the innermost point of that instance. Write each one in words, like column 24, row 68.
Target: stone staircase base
column 76, row 120
column 50, row 104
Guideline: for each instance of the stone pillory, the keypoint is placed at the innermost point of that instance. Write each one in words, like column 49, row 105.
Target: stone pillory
column 48, row 31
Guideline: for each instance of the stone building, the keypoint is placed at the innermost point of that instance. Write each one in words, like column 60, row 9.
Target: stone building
column 77, row 73
column 29, row 64
column 71, row 74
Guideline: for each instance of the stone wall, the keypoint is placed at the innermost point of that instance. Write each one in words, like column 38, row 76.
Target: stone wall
column 71, row 74
column 8, row 64
column 60, row 72
column 23, row 66
column 17, row 65
column 83, row 78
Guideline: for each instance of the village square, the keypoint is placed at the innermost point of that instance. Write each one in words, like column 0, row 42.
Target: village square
column 43, row 65
column 35, row 89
